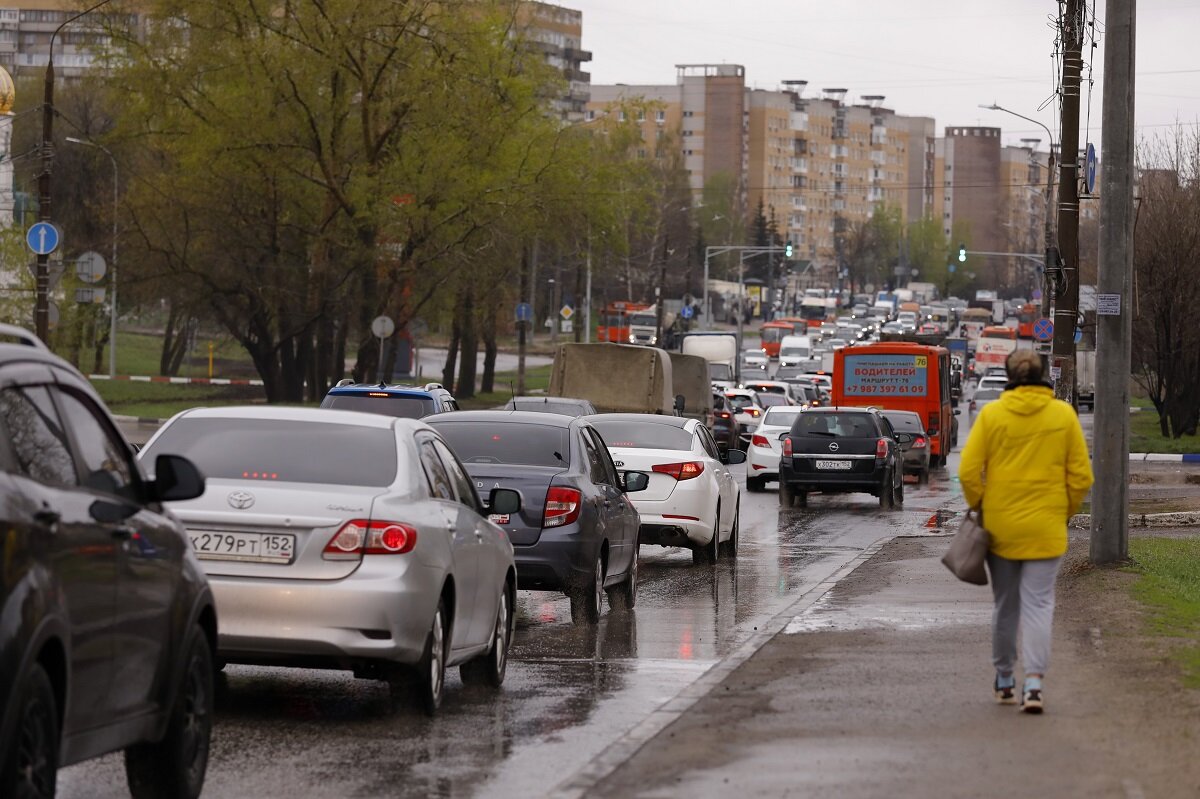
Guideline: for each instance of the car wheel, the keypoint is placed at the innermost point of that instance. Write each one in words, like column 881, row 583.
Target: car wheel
column 585, row 600
column 898, row 493
column 489, row 668
column 31, row 766
column 707, row 554
column 175, row 766
column 786, row 494
column 624, row 595
column 801, row 499
column 923, row 476
column 431, row 668
column 755, row 484
column 885, row 491
column 731, row 546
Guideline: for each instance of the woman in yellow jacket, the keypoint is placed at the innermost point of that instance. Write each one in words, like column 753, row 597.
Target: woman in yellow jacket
column 1026, row 465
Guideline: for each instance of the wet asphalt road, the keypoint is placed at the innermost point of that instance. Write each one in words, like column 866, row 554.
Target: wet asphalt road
column 570, row 692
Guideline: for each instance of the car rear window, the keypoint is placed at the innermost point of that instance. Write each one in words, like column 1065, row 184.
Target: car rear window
column 539, row 406
column 906, row 422
column 737, row 401
column 771, row 400
column 781, row 417
column 643, row 435
column 835, row 425
column 987, row 394
column 767, row 388
column 279, row 450
column 404, row 407
column 515, row 443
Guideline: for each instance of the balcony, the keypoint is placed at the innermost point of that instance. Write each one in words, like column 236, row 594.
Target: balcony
column 800, row 165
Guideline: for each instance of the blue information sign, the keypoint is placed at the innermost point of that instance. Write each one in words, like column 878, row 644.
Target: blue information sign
column 1078, row 335
column 1043, row 329
column 687, row 312
column 42, row 238
column 524, row 312
column 1089, row 169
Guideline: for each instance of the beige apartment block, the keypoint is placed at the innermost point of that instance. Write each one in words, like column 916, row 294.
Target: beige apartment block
column 558, row 31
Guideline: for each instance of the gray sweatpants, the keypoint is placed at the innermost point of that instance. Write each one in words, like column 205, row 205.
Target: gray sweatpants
column 1024, row 594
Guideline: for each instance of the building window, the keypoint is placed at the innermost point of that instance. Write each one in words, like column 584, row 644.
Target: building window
column 660, row 116
column 621, row 116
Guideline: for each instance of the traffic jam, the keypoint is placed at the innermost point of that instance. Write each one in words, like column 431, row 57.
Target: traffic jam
column 393, row 539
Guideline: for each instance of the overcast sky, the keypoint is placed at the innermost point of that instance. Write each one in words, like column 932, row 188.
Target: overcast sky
column 939, row 58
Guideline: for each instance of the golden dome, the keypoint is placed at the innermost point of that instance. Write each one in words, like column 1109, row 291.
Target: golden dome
column 8, row 92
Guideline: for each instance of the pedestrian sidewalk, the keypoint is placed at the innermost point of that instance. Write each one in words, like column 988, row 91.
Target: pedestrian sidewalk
column 883, row 689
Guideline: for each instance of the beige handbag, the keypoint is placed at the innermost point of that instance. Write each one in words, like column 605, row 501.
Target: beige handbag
column 968, row 550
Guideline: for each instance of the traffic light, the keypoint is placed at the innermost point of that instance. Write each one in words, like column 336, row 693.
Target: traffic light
column 962, row 253
column 787, row 250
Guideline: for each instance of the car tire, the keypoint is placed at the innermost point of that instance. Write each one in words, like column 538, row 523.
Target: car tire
column 898, row 493
column 923, row 476
column 707, row 554
column 755, row 484
column 787, row 496
column 430, row 681
column 490, row 667
column 623, row 596
column 885, row 491
column 731, row 546
column 801, row 500
column 30, row 768
column 585, row 600
column 175, row 766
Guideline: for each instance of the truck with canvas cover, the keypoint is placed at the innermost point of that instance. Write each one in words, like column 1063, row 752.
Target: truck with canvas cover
column 720, row 350
column 615, row 378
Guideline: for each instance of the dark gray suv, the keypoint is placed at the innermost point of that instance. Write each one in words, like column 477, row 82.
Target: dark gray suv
column 107, row 625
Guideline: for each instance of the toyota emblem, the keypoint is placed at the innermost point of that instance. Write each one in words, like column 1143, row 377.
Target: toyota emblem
column 241, row 499
column 833, row 447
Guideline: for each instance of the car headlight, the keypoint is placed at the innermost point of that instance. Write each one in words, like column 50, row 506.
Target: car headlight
column 632, row 338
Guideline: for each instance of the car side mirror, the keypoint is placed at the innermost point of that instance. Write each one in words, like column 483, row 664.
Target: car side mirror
column 175, row 478
column 957, row 412
column 504, row 501
column 734, row 457
column 632, row 482
column 679, row 402
column 904, row 438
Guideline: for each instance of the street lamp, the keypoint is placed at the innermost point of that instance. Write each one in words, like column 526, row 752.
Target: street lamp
column 41, row 304
column 112, row 300
column 1049, row 236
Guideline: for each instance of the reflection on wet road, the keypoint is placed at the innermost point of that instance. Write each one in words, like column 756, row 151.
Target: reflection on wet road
column 570, row 692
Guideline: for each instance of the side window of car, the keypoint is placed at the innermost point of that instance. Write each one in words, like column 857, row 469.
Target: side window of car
column 439, row 481
column 462, row 483
column 39, row 442
column 706, row 441
column 106, row 465
column 596, row 468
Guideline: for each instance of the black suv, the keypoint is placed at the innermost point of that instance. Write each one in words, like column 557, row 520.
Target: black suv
column 107, row 625
column 842, row 450
column 725, row 425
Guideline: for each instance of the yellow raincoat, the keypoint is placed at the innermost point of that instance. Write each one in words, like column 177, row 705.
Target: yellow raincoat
column 1027, row 460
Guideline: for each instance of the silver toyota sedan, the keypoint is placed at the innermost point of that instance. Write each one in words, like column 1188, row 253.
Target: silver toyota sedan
column 343, row 540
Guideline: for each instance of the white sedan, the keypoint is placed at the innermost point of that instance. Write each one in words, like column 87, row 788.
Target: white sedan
column 693, row 500
column 762, row 458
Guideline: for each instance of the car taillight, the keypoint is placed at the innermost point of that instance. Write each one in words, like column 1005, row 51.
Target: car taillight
column 755, row 412
column 562, row 506
column 759, row 441
column 360, row 537
column 881, row 448
column 724, row 415
column 680, row 471
column 919, row 442
column 934, row 425
column 787, row 447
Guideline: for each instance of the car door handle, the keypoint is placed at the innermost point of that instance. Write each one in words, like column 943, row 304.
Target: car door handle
column 123, row 532
column 47, row 517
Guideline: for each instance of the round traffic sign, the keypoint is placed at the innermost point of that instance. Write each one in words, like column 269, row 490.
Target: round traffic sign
column 42, row 238
column 90, row 267
column 383, row 326
column 687, row 312
column 1043, row 329
column 1089, row 171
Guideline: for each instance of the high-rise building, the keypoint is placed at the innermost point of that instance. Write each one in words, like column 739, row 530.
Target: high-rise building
column 558, row 31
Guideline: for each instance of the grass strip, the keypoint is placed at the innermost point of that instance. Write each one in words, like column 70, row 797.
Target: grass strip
column 1170, row 586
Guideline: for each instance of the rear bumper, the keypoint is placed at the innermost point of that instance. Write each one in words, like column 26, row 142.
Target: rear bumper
column 832, row 481
column 678, row 521
column 561, row 559
column 762, row 463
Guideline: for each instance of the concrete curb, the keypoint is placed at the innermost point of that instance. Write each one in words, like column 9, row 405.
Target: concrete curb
column 583, row 781
column 1165, row 457
column 139, row 420
column 204, row 381
column 1083, row 521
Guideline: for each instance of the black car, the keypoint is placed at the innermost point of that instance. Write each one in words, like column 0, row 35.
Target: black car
column 725, row 425
column 567, row 406
column 107, row 624
column 576, row 531
column 840, row 449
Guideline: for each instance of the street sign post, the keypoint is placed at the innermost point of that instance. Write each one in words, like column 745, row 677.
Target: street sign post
column 91, row 267
column 566, row 312
column 42, row 238
column 524, row 312
column 382, row 327
column 1089, row 170
column 687, row 311
column 1043, row 329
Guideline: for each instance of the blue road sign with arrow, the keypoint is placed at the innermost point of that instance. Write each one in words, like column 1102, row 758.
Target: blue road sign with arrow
column 1089, row 169
column 524, row 312
column 1043, row 329
column 687, row 312
column 42, row 238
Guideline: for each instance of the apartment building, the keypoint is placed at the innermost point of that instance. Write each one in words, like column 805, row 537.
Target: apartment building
column 558, row 32
column 25, row 30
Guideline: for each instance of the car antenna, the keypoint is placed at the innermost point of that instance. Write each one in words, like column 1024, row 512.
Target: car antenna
column 512, row 391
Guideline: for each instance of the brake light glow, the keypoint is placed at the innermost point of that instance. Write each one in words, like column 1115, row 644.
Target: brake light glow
column 360, row 537
column 377, row 394
column 919, row 442
column 787, row 447
column 680, row 471
column 755, row 412
column 562, row 506
column 759, row 441
column 260, row 475
column 724, row 415
column 881, row 448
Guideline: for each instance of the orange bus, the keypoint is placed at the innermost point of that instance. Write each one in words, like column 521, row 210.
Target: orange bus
column 1027, row 315
column 614, row 322
column 994, row 345
column 771, row 335
column 900, row 376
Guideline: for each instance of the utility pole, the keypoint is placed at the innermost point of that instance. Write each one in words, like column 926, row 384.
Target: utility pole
column 522, row 325
column 660, row 295
column 1066, row 293
column 1114, row 331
